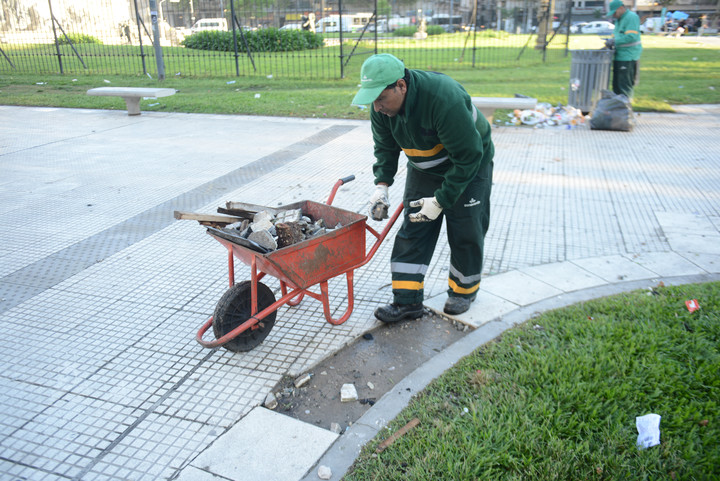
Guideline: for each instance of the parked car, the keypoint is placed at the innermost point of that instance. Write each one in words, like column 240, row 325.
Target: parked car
column 598, row 27
column 206, row 24
column 577, row 27
column 291, row 26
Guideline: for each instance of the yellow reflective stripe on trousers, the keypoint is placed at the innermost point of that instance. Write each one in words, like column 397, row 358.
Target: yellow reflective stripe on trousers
column 408, row 285
column 460, row 290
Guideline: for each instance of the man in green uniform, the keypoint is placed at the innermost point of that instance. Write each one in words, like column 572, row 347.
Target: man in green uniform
column 628, row 48
column 430, row 117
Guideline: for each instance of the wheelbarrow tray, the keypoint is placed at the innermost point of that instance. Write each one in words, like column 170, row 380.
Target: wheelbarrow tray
column 317, row 259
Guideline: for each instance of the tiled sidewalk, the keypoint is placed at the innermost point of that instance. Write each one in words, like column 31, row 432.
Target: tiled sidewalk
column 101, row 291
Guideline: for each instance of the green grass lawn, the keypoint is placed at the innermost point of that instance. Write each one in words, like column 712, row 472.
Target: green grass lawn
column 557, row 398
column 673, row 71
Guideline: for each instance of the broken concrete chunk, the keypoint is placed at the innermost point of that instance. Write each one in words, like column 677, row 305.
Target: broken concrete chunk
column 336, row 428
column 324, row 472
column 317, row 232
column 239, row 225
column 262, row 221
column 293, row 215
column 263, row 216
column 288, row 233
column 348, row 393
column 270, row 401
column 264, row 239
column 302, row 380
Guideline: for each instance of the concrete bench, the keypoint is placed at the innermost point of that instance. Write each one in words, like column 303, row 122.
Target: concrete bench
column 132, row 95
column 488, row 105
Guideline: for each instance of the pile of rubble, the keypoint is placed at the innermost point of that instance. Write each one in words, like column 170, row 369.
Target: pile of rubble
column 545, row 115
column 275, row 231
column 261, row 228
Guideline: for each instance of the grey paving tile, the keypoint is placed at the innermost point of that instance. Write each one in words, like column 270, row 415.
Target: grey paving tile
column 667, row 264
column 564, row 275
column 235, row 455
column 519, row 288
column 614, row 268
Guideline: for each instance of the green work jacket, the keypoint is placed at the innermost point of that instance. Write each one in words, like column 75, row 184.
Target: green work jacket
column 440, row 131
column 627, row 37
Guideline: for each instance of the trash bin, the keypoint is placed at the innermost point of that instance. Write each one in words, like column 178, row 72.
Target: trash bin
column 589, row 74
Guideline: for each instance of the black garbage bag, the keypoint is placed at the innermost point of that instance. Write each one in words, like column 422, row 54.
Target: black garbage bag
column 613, row 112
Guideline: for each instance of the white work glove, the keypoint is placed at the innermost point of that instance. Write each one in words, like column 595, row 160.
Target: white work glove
column 430, row 209
column 380, row 203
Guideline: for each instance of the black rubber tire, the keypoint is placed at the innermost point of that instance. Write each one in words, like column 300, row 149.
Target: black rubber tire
column 233, row 309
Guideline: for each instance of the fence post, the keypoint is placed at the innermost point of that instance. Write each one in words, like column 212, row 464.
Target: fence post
column 340, row 20
column 57, row 45
column 156, row 40
column 139, row 21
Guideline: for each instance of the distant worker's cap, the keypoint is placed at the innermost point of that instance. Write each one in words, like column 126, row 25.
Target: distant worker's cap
column 614, row 5
column 378, row 72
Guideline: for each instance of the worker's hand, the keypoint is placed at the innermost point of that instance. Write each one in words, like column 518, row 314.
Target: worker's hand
column 380, row 203
column 430, row 209
column 610, row 43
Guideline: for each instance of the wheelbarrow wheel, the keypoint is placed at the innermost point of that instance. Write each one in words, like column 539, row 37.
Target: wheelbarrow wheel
column 234, row 308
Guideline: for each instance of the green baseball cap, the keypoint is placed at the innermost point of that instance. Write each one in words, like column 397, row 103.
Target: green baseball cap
column 614, row 5
column 378, row 72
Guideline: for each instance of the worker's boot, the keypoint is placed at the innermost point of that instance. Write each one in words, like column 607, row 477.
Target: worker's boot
column 457, row 305
column 398, row 312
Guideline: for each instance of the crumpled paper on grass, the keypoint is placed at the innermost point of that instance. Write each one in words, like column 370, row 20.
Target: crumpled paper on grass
column 648, row 427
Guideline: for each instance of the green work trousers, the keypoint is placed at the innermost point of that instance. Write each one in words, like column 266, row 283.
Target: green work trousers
column 624, row 77
column 467, row 223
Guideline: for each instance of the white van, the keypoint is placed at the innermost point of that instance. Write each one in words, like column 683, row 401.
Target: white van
column 209, row 24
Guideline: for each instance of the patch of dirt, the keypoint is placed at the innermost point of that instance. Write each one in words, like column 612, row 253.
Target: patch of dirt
column 374, row 363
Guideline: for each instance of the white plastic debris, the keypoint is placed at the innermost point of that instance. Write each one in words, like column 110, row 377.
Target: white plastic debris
column 648, row 427
column 257, row 96
column 230, row 82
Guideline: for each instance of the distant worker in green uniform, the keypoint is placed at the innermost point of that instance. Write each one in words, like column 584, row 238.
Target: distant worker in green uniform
column 626, row 38
column 431, row 118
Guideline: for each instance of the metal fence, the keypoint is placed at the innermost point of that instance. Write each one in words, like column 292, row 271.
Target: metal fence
column 129, row 37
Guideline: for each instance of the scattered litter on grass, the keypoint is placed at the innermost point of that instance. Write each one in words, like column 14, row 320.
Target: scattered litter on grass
column 648, row 427
column 149, row 76
column 74, row 80
column 396, row 435
column 711, row 87
column 257, row 96
column 545, row 115
column 230, row 82
column 107, row 81
column 692, row 305
column 269, row 76
column 153, row 105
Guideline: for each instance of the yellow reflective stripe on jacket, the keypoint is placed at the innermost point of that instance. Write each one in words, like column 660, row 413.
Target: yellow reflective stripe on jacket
column 460, row 290
column 631, row 31
column 408, row 285
column 423, row 153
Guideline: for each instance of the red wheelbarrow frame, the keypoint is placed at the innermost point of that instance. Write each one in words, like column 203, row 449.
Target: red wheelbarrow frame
column 301, row 266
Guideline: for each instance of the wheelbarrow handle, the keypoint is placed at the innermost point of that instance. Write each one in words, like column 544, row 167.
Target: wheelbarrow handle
column 337, row 185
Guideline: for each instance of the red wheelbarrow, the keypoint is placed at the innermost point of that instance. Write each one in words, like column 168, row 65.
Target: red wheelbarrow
column 246, row 313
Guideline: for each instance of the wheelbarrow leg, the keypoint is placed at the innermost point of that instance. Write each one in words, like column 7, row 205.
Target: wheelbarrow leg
column 326, row 303
column 292, row 302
